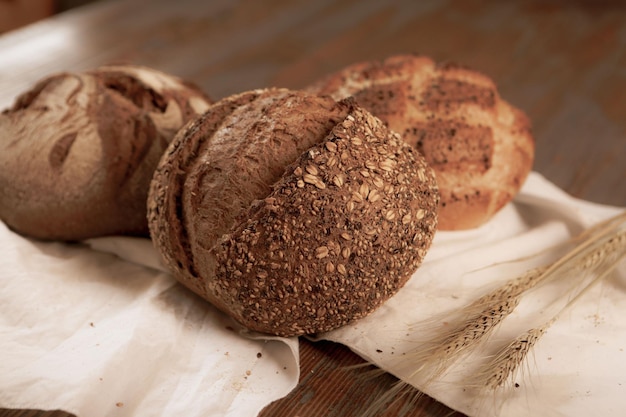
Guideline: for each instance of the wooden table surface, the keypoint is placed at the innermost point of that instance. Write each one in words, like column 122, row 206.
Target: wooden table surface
column 562, row 62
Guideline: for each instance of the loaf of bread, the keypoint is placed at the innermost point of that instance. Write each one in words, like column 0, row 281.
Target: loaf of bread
column 480, row 146
column 77, row 152
column 291, row 212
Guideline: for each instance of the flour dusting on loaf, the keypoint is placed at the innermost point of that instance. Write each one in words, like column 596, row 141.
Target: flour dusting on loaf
column 77, row 151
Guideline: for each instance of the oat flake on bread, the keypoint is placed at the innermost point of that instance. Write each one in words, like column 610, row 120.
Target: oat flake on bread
column 291, row 212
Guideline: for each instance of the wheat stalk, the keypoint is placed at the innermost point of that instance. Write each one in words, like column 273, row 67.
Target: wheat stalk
column 598, row 264
column 479, row 320
column 597, row 251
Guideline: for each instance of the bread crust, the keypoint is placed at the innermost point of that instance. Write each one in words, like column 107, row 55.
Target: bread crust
column 341, row 213
column 78, row 150
column 480, row 146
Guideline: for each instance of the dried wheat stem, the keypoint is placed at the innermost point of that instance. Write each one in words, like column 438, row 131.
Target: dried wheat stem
column 477, row 321
column 599, row 250
column 592, row 237
column 480, row 318
column 507, row 361
column 398, row 391
column 606, row 227
column 497, row 304
column 510, row 290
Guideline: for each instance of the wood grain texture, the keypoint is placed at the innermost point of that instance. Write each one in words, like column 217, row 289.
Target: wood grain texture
column 16, row 13
column 562, row 62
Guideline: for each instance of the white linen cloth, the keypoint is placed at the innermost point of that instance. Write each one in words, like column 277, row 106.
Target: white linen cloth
column 101, row 330
column 576, row 369
column 90, row 333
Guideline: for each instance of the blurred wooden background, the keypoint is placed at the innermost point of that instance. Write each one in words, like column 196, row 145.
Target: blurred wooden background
column 560, row 61
column 15, row 14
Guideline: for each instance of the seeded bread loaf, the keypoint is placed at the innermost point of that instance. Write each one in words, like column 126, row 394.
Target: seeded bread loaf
column 480, row 146
column 77, row 152
column 291, row 212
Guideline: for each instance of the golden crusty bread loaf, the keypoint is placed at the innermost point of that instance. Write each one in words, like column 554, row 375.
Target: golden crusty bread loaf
column 77, row 152
column 291, row 212
column 480, row 146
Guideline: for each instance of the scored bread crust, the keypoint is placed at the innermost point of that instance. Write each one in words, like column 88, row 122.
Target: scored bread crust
column 77, row 151
column 480, row 146
column 292, row 213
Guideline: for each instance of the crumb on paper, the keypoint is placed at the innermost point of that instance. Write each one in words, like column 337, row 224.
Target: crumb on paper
column 119, row 404
column 259, row 355
column 91, row 324
column 248, row 372
column 596, row 319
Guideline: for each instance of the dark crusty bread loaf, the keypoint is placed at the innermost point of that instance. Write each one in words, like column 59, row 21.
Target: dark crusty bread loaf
column 291, row 212
column 77, row 152
column 480, row 147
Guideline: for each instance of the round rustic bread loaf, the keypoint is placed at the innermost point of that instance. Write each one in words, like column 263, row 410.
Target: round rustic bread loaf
column 77, row 152
column 293, row 213
column 480, row 147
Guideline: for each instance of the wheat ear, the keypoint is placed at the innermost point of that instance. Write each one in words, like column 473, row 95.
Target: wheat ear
column 599, row 264
column 478, row 321
column 483, row 315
